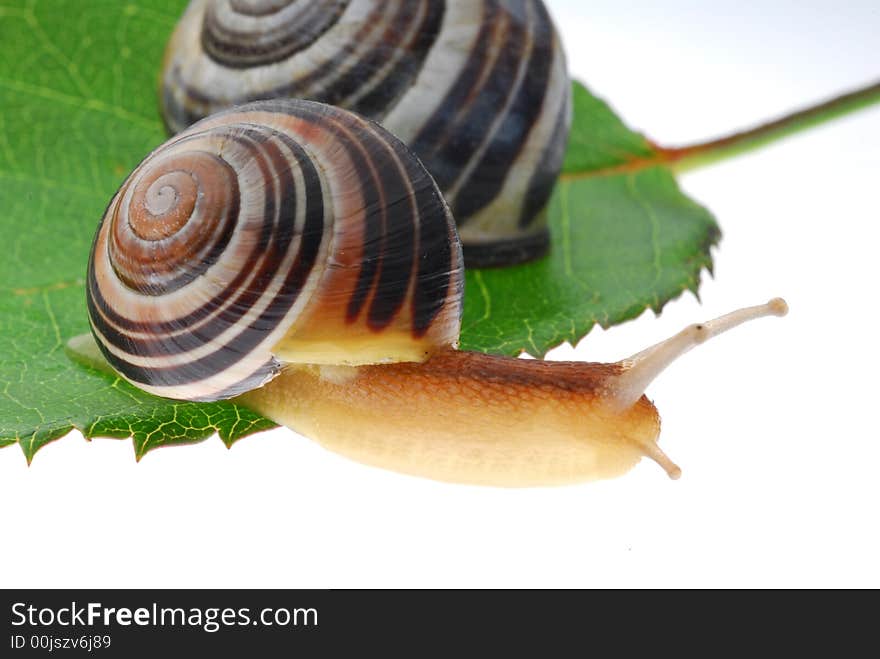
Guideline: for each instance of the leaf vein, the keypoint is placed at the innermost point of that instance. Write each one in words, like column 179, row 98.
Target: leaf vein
column 78, row 102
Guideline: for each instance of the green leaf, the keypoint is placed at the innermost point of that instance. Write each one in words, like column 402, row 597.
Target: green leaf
column 621, row 244
column 78, row 111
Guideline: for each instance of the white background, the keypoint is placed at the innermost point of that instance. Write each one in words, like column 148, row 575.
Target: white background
column 775, row 425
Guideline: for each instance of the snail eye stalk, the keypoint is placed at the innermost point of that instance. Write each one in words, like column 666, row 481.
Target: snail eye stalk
column 643, row 367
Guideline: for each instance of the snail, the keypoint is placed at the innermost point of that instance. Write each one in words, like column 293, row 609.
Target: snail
column 300, row 258
column 478, row 88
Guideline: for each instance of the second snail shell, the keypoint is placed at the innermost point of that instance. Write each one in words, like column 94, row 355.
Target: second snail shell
column 478, row 88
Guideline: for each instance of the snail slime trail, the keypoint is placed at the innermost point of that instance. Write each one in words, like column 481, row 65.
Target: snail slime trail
column 308, row 267
column 478, row 88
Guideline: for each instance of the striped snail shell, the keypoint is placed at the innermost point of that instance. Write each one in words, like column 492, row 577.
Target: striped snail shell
column 478, row 88
column 281, row 231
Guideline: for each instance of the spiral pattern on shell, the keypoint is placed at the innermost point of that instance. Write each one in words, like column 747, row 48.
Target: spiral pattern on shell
column 279, row 231
column 478, row 88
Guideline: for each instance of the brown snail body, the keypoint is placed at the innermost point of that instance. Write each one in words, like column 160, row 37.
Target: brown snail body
column 469, row 418
column 478, row 88
column 356, row 348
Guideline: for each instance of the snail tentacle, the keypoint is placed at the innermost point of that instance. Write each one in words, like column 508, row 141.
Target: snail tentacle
column 639, row 370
